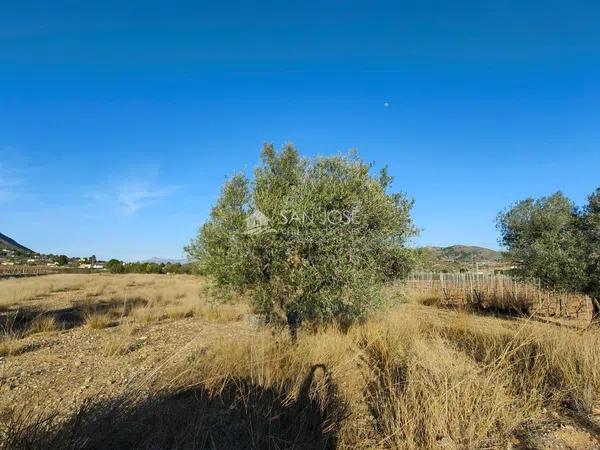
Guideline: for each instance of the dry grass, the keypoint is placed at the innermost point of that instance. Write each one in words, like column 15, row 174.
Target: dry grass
column 118, row 344
column 222, row 313
column 23, row 290
column 422, row 395
column 98, row 320
column 555, row 366
column 148, row 315
column 100, row 301
column 179, row 311
column 410, row 380
column 168, row 296
column 10, row 344
column 412, row 377
column 43, row 324
column 162, row 289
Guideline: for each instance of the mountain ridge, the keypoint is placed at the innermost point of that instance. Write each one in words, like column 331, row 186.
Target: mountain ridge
column 10, row 244
column 460, row 257
column 166, row 261
column 465, row 253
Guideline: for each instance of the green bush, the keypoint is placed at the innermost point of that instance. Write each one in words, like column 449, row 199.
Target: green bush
column 313, row 238
column 115, row 266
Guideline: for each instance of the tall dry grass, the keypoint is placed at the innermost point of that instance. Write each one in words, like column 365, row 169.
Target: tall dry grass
column 10, row 344
column 70, row 287
column 43, row 324
column 552, row 365
column 104, row 299
column 412, row 377
column 499, row 293
column 22, row 290
column 409, row 379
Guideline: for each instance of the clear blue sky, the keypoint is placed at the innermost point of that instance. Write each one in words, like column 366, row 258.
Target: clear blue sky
column 120, row 120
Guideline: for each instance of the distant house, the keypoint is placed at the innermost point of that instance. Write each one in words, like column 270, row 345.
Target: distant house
column 85, row 266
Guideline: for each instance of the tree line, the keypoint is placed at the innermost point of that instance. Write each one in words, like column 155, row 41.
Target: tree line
column 116, row 266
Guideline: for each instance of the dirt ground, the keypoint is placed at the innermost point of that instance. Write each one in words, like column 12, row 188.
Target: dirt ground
column 62, row 369
column 55, row 371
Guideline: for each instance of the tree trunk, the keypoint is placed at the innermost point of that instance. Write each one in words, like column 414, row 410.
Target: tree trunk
column 595, row 309
column 293, row 320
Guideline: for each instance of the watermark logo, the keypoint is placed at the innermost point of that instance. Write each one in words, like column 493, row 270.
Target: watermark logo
column 324, row 217
column 257, row 223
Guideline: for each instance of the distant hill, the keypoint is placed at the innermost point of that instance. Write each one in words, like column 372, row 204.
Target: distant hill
column 10, row 244
column 465, row 253
column 166, row 261
column 458, row 257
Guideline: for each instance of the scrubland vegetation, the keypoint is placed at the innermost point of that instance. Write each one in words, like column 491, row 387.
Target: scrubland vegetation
column 411, row 376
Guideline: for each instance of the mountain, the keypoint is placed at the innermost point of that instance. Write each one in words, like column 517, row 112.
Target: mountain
column 465, row 253
column 7, row 243
column 457, row 257
column 166, row 261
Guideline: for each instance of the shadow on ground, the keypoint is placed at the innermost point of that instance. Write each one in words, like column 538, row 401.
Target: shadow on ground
column 243, row 415
column 20, row 320
column 482, row 308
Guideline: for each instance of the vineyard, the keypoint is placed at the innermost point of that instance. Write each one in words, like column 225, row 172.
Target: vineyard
column 25, row 270
column 501, row 293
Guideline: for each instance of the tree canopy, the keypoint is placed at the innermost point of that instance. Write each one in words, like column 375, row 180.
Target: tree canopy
column 590, row 224
column 551, row 239
column 312, row 237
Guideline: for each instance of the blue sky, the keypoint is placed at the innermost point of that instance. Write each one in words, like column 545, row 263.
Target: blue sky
column 119, row 121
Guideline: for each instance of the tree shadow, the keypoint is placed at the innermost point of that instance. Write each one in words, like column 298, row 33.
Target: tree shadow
column 481, row 308
column 240, row 416
column 19, row 320
column 584, row 421
column 499, row 312
column 530, row 434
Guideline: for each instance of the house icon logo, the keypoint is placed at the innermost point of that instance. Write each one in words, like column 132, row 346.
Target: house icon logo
column 257, row 223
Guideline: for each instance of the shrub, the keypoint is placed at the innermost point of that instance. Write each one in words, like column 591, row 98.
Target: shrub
column 43, row 324
column 147, row 314
column 10, row 344
column 118, row 345
column 314, row 239
column 97, row 320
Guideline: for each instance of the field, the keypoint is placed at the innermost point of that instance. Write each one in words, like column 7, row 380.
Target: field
column 152, row 361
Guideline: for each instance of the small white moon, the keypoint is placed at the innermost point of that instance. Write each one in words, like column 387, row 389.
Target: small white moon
column 386, row 104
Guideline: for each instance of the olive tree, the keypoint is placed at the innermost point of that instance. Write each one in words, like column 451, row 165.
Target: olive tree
column 312, row 239
column 590, row 225
column 543, row 241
